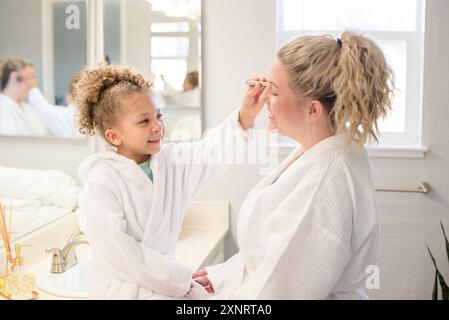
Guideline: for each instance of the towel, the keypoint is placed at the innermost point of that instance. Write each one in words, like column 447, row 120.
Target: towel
column 50, row 187
column 21, row 204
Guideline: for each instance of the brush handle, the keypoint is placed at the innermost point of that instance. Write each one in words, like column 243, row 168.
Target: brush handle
column 255, row 82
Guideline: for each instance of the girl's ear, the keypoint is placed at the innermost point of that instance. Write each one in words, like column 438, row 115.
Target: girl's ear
column 113, row 136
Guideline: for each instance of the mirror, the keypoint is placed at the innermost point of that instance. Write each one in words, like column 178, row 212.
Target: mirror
column 43, row 46
column 33, row 198
column 162, row 40
column 51, row 37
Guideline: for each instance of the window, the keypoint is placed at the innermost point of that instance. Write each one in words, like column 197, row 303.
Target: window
column 170, row 51
column 396, row 26
column 175, row 51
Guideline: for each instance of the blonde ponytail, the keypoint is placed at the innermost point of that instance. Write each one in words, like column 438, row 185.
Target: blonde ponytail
column 350, row 77
column 364, row 86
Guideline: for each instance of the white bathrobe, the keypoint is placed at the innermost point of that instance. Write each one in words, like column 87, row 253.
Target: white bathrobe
column 60, row 120
column 19, row 119
column 133, row 225
column 308, row 232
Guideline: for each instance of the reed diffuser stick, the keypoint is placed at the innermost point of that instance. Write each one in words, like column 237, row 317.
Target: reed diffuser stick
column 3, row 236
column 4, row 232
column 3, row 214
column 10, row 221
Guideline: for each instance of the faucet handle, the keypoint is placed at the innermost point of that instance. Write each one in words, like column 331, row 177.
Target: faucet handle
column 76, row 235
column 57, row 262
column 52, row 250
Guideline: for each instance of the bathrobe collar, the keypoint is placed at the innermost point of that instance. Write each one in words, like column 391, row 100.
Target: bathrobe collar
column 127, row 168
column 334, row 142
column 9, row 99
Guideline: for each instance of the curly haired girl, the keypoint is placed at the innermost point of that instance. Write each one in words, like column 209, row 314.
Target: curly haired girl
column 134, row 198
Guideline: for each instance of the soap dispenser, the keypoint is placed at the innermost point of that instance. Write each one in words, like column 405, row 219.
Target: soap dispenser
column 20, row 284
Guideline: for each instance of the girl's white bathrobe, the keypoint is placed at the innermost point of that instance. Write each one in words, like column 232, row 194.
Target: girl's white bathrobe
column 307, row 231
column 133, row 225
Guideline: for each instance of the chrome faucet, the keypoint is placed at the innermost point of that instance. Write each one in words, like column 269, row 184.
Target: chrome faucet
column 64, row 259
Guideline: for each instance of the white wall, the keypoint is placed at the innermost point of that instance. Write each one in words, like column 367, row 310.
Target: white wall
column 20, row 32
column 45, row 153
column 239, row 41
column 407, row 221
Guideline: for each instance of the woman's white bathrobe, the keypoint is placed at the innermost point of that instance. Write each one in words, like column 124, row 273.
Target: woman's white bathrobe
column 61, row 121
column 19, row 119
column 310, row 234
column 133, row 225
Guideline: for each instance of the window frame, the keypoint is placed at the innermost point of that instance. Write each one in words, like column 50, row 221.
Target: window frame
column 411, row 137
column 169, row 34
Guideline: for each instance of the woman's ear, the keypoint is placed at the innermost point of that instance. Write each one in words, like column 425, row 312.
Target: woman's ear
column 15, row 76
column 113, row 136
column 315, row 110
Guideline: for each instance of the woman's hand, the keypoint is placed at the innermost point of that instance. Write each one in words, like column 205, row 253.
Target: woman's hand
column 251, row 104
column 203, row 280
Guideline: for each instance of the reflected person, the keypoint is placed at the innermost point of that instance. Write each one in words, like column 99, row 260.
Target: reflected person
column 61, row 121
column 17, row 117
column 190, row 94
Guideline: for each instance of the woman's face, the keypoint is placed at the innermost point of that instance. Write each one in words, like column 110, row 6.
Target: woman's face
column 287, row 112
column 27, row 81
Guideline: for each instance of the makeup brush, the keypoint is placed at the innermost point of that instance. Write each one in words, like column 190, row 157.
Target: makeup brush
column 255, row 82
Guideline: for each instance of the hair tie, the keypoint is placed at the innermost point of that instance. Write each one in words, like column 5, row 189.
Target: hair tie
column 340, row 43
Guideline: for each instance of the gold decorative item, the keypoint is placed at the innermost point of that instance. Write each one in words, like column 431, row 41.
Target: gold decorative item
column 15, row 283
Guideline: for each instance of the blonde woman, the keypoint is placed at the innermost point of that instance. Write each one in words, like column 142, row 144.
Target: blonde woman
column 17, row 117
column 309, row 230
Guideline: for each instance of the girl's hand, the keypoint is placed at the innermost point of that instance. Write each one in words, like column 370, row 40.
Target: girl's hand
column 199, row 273
column 203, row 280
column 251, row 104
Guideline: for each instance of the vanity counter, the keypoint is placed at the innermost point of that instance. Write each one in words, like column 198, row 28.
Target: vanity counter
column 201, row 241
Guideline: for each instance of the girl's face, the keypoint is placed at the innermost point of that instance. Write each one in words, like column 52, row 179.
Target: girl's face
column 287, row 112
column 139, row 129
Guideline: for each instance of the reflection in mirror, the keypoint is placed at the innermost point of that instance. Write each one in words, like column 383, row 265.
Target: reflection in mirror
column 162, row 40
column 35, row 198
column 43, row 47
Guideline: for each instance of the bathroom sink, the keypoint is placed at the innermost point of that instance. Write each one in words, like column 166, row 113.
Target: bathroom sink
column 71, row 284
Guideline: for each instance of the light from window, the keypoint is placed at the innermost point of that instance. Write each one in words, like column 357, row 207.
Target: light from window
column 169, row 27
column 169, row 47
column 174, row 71
column 368, row 15
column 396, row 26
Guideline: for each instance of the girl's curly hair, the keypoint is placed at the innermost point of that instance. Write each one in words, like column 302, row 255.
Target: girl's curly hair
column 98, row 94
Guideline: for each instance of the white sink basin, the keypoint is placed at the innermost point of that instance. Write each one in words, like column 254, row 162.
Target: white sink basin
column 71, row 283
